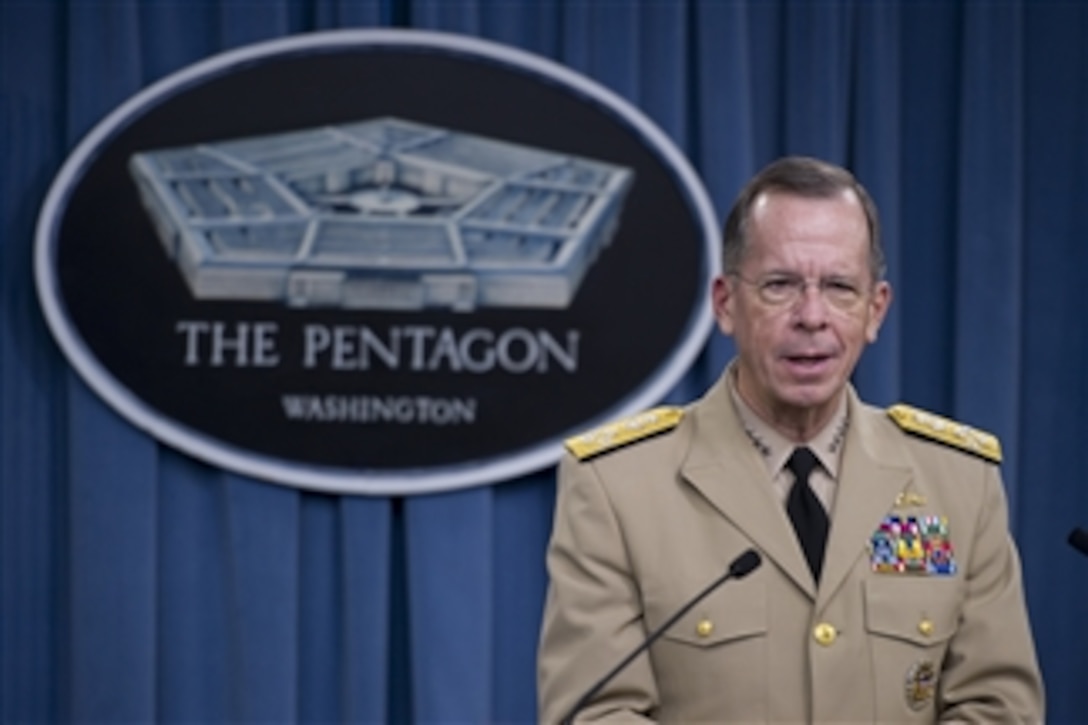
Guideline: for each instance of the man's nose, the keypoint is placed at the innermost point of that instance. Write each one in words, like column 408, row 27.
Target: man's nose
column 812, row 306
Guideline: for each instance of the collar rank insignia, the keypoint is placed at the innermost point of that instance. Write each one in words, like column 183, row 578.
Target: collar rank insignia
column 623, row 432
column 912, row 545
column 946, row 431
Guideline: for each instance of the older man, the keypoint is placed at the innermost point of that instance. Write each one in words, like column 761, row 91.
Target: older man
column 890, row 588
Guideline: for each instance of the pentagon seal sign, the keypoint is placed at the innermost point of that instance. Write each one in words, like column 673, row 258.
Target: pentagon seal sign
column 376, row 261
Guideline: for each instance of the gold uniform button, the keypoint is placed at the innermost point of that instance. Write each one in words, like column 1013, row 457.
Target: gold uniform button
column 824, row 633
column 704, row 628
column 925, row 627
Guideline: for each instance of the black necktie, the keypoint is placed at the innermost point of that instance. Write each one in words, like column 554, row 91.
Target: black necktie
column 806, row 512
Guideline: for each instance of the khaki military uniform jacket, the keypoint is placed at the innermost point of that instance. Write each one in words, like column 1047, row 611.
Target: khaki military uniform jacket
column 641, row 528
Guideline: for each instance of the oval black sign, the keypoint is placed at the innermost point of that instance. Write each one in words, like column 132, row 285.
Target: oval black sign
column 376, row 261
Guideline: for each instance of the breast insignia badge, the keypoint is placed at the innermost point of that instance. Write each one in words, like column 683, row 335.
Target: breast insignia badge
column 921, row 684
column 908, row 499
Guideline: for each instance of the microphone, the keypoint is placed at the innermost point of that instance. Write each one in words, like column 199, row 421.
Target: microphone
column 741, row 567
column 1078, row 539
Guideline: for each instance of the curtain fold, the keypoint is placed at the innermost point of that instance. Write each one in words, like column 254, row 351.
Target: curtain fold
column 33, row 422
column 874, row 151
column 929, row 152
column 364, row 587
column 989, row 229
column 450, row 605
column 1051, row 382
column 193, row 621
column 262, row 590
column 112, row 526
column 140, row 585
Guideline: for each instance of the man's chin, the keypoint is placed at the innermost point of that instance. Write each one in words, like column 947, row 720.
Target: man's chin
column 810, row 394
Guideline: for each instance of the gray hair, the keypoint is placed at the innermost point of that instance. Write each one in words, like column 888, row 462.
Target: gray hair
column 806, row 177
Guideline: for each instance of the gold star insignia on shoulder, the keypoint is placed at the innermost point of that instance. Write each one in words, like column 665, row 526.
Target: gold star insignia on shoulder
column 623, row 432
column 946, row 431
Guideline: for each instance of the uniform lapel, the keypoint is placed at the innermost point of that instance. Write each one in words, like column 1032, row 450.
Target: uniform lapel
column 726, row 469
column 873, row 472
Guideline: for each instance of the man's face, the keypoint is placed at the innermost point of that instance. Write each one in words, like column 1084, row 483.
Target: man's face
column 803, row 304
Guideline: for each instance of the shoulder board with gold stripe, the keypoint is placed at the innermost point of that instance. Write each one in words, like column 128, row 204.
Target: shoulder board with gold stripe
column 623, row 432
column 946, row 431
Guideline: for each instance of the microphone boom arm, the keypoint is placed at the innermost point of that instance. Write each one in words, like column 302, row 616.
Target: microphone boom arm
column 741, row 567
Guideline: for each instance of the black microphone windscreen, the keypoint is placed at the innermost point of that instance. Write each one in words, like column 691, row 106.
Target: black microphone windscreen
column 1078, row 538
column 745, row 564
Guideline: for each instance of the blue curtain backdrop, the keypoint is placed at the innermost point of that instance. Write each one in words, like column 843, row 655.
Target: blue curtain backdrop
column 137, row 584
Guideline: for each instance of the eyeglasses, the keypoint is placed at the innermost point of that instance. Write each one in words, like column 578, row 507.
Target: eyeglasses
column 786, row 290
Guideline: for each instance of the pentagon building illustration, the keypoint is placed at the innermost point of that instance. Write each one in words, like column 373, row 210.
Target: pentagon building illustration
column 381, row 214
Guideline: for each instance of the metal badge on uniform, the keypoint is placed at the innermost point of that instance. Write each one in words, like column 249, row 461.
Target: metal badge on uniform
column 912, row 545
column 921, row 684
column 909, row 498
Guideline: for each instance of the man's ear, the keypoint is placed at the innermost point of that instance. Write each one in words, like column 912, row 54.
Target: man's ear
column 878, row 309
column 722, row 299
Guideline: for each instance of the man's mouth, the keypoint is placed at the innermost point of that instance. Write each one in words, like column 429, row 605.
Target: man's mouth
column 808, row 361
